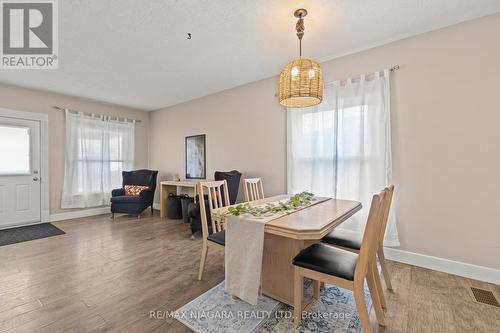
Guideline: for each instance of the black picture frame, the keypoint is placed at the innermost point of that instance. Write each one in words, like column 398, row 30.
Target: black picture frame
column 195, row 154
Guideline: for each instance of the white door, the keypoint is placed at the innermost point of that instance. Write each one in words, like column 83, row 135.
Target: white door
column 19, row 171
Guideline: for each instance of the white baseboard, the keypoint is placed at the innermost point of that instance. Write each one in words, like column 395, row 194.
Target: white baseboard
column 79, row 213
column 476, row 272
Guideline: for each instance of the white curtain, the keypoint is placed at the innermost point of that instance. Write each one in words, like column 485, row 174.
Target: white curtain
column 341, row 148
column 97, row 150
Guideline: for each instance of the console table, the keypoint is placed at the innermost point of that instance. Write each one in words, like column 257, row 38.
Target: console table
column 173, row 186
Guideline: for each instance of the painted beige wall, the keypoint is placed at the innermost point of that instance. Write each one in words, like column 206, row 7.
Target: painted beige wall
column 22, row 99
column 245, row 131
column 445, row 120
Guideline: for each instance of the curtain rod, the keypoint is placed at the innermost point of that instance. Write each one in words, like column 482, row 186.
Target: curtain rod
column 394, row 68
column 93, row 114
column 357, row 77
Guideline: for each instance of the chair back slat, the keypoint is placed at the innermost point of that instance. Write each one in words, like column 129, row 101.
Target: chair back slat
column 371, row 236
column 216, row 200
column 254, row 189
column 211, row 198
column 213, row 206
column 203, row 211
column 219, row 199
column 387, row 208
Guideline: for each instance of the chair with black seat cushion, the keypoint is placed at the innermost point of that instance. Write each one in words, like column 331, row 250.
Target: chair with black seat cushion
column 352, row 241
column 233, row 183
column 324, row 263
column 214, row 237
column 134, row 204
column 254, row 189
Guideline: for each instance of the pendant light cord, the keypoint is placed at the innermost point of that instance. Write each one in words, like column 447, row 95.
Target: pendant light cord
column 300, row 33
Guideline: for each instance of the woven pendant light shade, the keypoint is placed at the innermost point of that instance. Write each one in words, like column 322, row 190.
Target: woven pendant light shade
column 301, row 84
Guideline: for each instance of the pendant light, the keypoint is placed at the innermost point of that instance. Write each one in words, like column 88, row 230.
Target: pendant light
column 301, row 81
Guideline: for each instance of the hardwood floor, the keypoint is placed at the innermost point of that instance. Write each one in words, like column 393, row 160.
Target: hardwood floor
column 107, row 276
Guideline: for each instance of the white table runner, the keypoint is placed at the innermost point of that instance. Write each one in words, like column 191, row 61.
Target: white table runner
column 244, row 250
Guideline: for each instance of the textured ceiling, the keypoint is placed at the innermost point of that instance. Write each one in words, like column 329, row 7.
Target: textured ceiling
column 135, row 53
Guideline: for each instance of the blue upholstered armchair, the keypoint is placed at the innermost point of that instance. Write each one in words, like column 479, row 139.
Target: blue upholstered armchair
column 134, row 204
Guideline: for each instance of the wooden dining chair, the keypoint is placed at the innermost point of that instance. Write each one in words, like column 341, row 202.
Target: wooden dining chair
column 215, row 235
column 324, row 263
column 351, row 241
column 254, row 190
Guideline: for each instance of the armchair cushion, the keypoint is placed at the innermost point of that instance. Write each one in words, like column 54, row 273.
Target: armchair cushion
column 126, row 199
column 134, row 189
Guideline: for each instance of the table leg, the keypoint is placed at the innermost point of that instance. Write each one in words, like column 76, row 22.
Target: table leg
column 277, row 267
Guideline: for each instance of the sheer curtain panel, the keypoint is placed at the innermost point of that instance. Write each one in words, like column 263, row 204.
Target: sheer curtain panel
column 341, row 148
column 98, row 149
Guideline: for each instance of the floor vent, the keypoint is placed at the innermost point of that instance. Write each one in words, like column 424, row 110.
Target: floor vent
column 484, row 296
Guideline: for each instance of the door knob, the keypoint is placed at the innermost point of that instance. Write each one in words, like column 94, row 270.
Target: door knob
column 35, row 178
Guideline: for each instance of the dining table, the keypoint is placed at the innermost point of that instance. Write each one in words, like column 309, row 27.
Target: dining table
column 286, row 236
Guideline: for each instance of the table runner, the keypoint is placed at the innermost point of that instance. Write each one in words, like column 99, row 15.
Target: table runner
column 244, row 250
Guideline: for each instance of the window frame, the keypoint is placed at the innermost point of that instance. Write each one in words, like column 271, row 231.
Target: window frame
column 30, row 148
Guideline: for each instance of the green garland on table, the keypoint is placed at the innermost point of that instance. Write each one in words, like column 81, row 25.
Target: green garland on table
column 297, row 201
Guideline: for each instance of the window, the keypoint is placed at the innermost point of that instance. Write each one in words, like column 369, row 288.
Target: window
column 14, row 150
column 94, row 156
column 97, row 151
column 325, row 144
column 342, row 147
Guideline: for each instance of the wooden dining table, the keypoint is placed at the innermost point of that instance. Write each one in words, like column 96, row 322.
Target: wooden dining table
column 285, row 236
